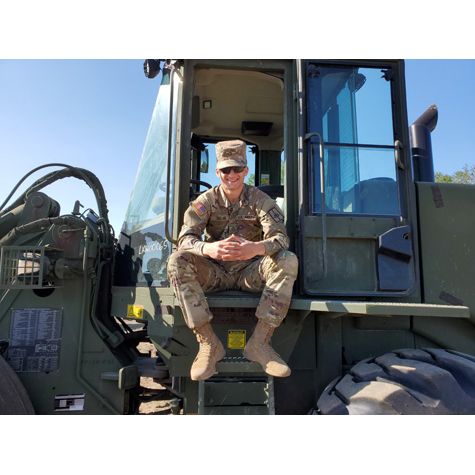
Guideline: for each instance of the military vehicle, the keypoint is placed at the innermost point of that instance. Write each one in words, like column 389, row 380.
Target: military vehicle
column 382, row 316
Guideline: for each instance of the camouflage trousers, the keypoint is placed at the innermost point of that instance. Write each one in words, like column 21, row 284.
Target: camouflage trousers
column 192, row 275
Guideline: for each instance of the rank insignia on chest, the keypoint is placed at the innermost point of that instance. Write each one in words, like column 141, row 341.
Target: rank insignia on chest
column 200, row 209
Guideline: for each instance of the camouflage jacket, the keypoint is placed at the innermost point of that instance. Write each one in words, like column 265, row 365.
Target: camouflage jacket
column 255, row 217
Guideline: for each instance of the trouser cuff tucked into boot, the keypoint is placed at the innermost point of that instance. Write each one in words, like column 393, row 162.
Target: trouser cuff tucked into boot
column 259, row 350
column 211, row 351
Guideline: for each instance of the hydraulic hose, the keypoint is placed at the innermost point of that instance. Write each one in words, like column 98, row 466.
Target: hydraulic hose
column 37, row 226
column 68, row 171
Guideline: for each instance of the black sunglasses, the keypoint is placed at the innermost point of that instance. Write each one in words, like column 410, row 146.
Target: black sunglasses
column 227, row 170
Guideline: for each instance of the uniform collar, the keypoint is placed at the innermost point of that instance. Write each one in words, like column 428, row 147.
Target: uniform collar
column 242, row 201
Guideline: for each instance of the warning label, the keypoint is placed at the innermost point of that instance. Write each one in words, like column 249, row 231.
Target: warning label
column 35, row 339
column 134, row 311
column 236, row 339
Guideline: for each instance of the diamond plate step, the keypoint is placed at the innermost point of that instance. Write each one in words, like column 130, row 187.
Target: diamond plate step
column 238, row 364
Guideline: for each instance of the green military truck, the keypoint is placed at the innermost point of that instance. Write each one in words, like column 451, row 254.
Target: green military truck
column 383, row 311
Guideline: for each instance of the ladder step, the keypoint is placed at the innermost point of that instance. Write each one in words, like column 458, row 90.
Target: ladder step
column 151, row 368
column 238, row 364
column 236, row 395
column 236, row 410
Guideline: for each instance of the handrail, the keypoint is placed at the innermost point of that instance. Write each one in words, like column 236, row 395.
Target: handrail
column 397, row 154
column 322, row 191
column 169, row 160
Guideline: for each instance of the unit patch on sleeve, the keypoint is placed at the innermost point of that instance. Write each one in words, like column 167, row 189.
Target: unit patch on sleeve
column 276, row 215
column 200, row 209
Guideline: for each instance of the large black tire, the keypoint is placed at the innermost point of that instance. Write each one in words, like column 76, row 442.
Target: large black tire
column 14, row 399
column 406, row 381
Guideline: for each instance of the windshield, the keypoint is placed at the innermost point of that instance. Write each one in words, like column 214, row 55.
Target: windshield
column 147, row 202
column 143, row 247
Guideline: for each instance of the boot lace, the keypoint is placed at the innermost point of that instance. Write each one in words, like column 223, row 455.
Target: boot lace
column 206, row 348
column 268, row 350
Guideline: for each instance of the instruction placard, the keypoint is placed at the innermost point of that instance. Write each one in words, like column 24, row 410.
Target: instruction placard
column 236, row 339
column 69, row 402
column 35, row 339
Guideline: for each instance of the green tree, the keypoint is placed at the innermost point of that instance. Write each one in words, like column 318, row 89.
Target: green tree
column 465, row 176
column 251, row 180
column 443, row 178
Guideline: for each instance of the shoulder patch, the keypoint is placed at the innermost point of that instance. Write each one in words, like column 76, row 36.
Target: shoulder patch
column 276, row 214
column 200, row 209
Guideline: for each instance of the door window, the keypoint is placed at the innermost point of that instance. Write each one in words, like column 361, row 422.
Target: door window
column 351, row 110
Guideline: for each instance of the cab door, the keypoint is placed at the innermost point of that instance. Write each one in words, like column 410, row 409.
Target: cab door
column 356, row 220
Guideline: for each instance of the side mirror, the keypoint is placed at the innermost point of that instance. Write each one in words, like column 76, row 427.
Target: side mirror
column 204, row 165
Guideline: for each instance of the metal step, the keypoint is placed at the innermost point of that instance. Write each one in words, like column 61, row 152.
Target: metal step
column 238, row 364
column 237, row 395
column 151, row 368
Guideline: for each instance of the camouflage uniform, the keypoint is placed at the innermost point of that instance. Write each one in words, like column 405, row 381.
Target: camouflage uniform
column 255, row 217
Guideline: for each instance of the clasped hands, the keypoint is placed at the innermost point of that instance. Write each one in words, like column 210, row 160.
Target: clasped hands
column 233, row 248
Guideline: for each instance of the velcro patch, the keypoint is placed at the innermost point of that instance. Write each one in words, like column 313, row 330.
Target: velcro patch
column 200, row 209
column 276, row 215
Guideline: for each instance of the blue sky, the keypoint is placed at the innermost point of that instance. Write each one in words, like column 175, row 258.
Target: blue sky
column 95, row 114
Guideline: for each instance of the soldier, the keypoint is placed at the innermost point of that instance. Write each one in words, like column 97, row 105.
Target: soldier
column 245, row 248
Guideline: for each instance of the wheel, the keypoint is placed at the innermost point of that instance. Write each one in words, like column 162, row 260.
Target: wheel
column 406, row 381
column 14, row 399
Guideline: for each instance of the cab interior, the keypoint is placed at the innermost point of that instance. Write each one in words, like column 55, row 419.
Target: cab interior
column 238, row 104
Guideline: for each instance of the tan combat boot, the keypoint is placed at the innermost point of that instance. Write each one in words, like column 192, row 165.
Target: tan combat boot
column 211, row 351
column 259, row 350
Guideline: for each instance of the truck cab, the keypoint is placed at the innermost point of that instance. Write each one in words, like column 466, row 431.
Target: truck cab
column 326, row 139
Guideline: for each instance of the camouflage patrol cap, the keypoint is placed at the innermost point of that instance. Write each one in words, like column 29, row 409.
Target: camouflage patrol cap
column 231, row 153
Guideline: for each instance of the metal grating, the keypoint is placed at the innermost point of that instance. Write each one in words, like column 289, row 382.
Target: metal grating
column 22, row 267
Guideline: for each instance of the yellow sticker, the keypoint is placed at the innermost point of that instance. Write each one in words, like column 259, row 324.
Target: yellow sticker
column 236, row 339
column 135, row 311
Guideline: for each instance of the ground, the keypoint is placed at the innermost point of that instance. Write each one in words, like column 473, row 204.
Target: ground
column 164, row 404
column 160, row 407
